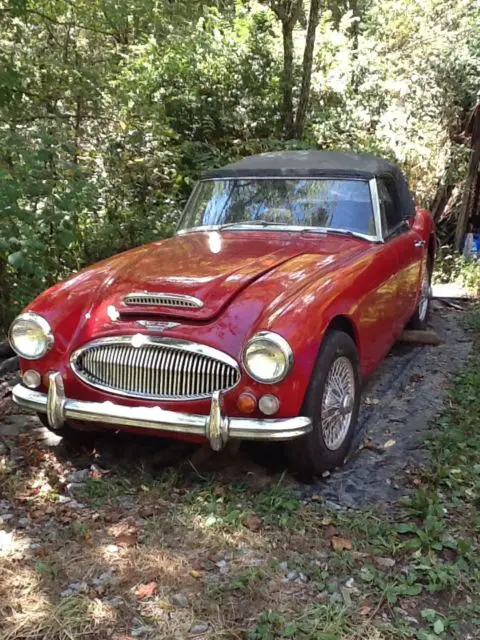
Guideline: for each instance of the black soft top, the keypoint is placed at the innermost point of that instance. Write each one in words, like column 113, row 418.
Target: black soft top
column 305, row 164
column 311, row 164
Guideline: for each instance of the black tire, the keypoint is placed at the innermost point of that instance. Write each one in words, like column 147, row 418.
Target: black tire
column 76, row 437
column 310, row 455
column 418, row 321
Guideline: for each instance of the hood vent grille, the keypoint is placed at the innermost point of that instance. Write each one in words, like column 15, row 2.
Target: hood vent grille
column 147, row 299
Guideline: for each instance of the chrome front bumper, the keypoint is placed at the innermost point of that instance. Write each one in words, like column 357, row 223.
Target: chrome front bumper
column 216, row 427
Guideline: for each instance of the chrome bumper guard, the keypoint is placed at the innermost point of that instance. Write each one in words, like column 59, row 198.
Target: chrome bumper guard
column 216, row 427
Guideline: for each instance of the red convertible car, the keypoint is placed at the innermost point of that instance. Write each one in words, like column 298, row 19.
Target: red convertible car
column 289, row 278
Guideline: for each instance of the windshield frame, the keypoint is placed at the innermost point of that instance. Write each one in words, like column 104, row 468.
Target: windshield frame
column 247, row 226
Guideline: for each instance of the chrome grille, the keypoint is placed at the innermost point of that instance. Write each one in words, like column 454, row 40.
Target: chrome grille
column 155, row 368
column 162, row 300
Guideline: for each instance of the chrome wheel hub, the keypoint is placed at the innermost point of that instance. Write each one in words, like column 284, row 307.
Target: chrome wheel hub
column 337, row 403
column 346, row 404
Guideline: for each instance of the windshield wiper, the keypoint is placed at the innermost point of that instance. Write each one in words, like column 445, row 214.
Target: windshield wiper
column 339, row 232
column 246, row 223
column 346, row 232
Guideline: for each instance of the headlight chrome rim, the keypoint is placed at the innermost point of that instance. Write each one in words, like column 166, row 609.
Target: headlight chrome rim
column 44, row 327
column 279, row 342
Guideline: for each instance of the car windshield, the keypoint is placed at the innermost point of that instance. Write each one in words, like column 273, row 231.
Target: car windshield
column 337, row 204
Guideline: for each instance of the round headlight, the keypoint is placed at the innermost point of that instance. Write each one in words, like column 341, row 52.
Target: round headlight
column 267, row 357
column 30, row 336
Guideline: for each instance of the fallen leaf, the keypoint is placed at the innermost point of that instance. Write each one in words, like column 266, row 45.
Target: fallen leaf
column 346, row 596
column 341, row 544
column 199, row 564
column 330, row 531
column 112, row 516
column 147, row 511
column 385, row 563
column 389, row 443
column 126, row 539
column 146, row 590
column 195, row 573
column 365, row 610
column 252, row 522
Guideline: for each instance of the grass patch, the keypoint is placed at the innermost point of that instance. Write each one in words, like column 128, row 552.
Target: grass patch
column 100, row 492
column 455, row 268
column 418, row 569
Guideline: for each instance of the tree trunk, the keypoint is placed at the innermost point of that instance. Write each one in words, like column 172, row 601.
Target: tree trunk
column 440, row 201
column 472, row 177
column 77, row 128
column 287, row 79
column 307, row 68
column 472, row 129
column 355, row 35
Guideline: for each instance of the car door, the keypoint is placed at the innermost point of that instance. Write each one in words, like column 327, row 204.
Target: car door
column 408, row 247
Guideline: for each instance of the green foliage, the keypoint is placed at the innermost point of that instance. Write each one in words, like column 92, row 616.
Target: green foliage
column 110, row 111
column 455, row 268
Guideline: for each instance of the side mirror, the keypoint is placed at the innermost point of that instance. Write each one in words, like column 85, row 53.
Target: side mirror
column 408, row 221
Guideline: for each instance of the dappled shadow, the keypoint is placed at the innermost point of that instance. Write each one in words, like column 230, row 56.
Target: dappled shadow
column 139, row 555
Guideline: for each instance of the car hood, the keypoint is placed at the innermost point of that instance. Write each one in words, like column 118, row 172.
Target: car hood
column 215, row 268
column 209, row 266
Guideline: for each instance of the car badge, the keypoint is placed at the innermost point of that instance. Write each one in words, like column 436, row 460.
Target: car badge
column 113, row 313
column 158, row 326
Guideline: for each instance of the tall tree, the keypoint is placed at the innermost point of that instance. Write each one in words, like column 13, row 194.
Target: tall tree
column 470, row 204
column 289, row 13
column 307, row 68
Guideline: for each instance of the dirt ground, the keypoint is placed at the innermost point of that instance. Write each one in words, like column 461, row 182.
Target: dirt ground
column 141, row 538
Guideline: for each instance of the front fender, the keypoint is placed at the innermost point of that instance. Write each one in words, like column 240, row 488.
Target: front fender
column 302, row 317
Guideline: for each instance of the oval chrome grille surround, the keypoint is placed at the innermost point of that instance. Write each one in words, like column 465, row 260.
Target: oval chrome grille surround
column 155, row 368
column 162, row 300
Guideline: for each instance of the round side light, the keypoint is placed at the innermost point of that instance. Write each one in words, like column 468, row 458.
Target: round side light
column 269, row 404
column 31, row 379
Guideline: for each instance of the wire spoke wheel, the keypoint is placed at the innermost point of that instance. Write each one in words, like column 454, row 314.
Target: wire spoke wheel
column 337, row 403
column 424, row 295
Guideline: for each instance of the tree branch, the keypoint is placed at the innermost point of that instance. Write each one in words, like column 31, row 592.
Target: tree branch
column 69, row 24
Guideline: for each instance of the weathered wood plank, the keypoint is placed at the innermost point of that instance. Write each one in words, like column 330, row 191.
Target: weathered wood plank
column 421, row 337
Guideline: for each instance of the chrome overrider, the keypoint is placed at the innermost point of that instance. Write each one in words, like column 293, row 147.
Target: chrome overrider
column 216, row 427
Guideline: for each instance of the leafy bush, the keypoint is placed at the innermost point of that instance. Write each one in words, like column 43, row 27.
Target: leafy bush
column 451, row 267
column 108, row 116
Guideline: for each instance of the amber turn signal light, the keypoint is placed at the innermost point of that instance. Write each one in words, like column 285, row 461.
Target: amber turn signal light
column 46, row 379
column 246, row 403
